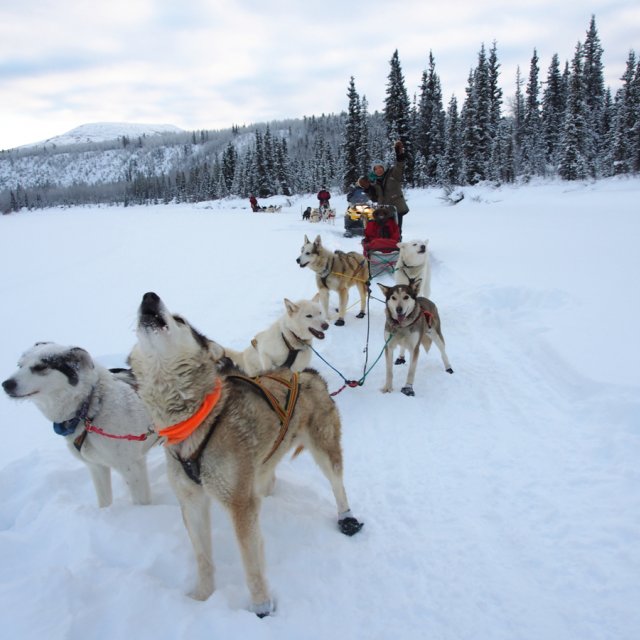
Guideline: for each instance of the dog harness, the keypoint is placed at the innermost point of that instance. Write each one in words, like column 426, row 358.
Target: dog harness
column 292, row 353
column 191, row 465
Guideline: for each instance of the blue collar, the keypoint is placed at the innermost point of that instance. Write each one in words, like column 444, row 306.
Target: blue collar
column 67, row 427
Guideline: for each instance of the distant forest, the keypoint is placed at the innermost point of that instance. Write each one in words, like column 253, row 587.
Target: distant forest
column 567, row 125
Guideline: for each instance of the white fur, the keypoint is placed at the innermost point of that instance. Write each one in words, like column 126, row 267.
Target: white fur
column 301, row 322
column 115, row 408
column 413, row 263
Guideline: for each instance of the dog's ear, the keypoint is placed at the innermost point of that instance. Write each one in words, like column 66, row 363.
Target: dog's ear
column 216, row 351
column 77, row 357
column 316, row 298
column 414, row 285
column 318, row 241
column 384, row 289
column 306, row 240
column 402, row 245
column 291, row 307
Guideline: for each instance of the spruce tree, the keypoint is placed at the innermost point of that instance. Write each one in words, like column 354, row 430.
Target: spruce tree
column 352, row 139
column 397, row 112
column 553, row 107
column 572, row 163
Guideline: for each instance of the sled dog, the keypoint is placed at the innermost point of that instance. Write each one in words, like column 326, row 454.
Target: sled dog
column 335, row 271
column 225, row 433
column 411, row 321
column 287, row 342
column 413, row 264
column 97, row 410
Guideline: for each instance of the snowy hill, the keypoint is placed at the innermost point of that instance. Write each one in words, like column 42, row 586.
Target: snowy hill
column 103, row 132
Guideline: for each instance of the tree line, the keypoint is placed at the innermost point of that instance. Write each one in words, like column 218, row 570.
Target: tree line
column 567, row 125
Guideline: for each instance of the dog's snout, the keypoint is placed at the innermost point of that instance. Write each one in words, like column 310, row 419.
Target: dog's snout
column 150, row 302
column 298, row 260
column 151, row 298
column 9, row 385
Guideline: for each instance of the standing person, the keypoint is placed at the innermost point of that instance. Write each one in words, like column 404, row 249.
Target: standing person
column 385, row 186
column 323, row 198
column 253, row 201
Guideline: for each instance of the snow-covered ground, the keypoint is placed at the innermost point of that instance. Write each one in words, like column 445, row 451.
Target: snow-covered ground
column 502, row 502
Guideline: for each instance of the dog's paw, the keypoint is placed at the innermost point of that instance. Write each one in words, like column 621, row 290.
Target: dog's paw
column 339, row 322
column 386, row 389
column 400, row 360
column 350, row 526
column 360, row 315
column 200, row 593
column 264, row 609
column 408, row 390
column 449, row 370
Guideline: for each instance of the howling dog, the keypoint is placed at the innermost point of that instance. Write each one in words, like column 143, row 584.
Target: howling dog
column 335, row 271
column 411, row 321
column 413, row 264
column 96, row 410
column 287, row 342
column 225, row 433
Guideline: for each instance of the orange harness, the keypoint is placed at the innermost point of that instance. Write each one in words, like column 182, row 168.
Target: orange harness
column 180, row 431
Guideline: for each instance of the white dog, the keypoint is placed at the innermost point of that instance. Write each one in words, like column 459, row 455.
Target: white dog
column 413, row 264
column 97, row 410
column 287, row 342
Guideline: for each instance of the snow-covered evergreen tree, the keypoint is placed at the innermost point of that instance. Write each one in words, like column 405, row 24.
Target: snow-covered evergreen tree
column 397, row 112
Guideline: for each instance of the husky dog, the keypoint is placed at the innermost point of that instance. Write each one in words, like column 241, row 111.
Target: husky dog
column 410, row 322
column 226, row 433
column 306, row 214
column 335, row 271
column 287, row 342
column 413, row 264
column 97, row 411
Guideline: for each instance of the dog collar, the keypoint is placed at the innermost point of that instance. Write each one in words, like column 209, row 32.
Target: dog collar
column 67, row 427
column 180, row 431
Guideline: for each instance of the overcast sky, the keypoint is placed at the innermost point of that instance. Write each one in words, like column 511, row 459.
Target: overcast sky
column 209, row 64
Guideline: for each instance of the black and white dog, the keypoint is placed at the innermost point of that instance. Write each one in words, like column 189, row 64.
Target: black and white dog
column 96, row 410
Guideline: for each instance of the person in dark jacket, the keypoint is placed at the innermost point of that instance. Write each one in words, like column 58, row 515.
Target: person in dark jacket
column 323, row 198
column 253, row 201
column 385, row 186
column 381, row 233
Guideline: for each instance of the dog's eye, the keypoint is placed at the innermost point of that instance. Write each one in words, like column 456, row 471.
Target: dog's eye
column 39, row 368
column 309, row 315
column 179, row 320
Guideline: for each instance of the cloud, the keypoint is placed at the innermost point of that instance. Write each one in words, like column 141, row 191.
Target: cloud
column 201, row 64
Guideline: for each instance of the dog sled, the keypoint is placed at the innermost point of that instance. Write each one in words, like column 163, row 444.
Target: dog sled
column 381, row 250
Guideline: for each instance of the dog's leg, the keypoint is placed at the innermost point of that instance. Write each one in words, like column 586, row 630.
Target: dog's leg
column 195, row 506
column 327, row 453
column 388, row 356
column 413, row 363
column 244, row 514
column 324, row 300
column 343, row 295
column 437, row 338
column 101, row 477
column 137, row 480
column 362, row 290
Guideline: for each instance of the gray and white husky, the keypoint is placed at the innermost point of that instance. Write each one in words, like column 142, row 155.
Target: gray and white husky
column 287, row 342
column 226, row 433
column 411, row 321
column 96, row 410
